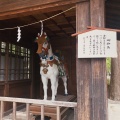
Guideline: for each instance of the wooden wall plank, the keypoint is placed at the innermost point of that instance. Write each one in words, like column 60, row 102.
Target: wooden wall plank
column 2, row 89
column 12, row 8
column 67, row 47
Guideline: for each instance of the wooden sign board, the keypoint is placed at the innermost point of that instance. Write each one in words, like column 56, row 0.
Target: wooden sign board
column 97, row 44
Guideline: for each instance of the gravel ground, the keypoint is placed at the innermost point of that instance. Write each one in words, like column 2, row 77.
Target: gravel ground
column 113, row 110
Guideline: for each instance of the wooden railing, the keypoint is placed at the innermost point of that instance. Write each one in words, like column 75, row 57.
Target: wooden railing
column 42, row 103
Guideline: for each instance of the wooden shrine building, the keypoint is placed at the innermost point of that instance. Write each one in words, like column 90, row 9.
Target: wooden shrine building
column 19, row 63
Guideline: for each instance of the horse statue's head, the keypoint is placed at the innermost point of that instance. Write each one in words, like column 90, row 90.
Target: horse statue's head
column 43, row 44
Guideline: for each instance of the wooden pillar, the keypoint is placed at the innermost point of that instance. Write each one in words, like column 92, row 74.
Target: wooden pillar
column 82, row 66
column 91, row 73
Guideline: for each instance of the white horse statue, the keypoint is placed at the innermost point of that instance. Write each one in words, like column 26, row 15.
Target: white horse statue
column 51, row 68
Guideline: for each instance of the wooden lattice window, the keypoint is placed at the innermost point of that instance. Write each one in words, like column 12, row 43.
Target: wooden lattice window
column 2, row 60
column 19, row 59
column 14, row 62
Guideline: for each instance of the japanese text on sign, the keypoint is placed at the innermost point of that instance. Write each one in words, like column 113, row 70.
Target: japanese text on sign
column 97, row 43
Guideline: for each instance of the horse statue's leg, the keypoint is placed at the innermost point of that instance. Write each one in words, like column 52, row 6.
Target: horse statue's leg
column 64, row 78
column 56, row 86
column 53, row 86
column 45, row 82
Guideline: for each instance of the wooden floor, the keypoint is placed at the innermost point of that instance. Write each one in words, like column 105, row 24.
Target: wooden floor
column 70, row 114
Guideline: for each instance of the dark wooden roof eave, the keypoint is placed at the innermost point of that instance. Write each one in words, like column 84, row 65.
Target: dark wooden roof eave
column 26, row 7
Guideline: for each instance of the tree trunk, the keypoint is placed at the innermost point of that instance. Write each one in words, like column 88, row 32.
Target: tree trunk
column 115, row 76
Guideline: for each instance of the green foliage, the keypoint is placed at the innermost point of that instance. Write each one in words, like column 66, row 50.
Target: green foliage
column 108, row 65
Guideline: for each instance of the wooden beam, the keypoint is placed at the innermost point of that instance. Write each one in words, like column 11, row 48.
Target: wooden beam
column 113, row 17
column 64, row 23
column 112, row 23
column 56, row 24
column 69, row 22
column 113, row 11
column 11, row 9
column 118, row 1
column 112, row 26
column 113, row 4
column 46, row 28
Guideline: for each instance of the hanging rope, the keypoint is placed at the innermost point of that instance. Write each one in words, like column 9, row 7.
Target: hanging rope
column 40, row 20
column 41, row 28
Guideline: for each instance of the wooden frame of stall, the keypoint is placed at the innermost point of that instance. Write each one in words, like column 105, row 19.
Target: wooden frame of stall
column 90, row 73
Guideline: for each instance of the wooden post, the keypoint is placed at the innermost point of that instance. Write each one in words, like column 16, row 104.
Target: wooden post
column 27, row 111
column 58, row 113
column 1, row 110
column 14, row 111
column 42, row 112
column 91, row 73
